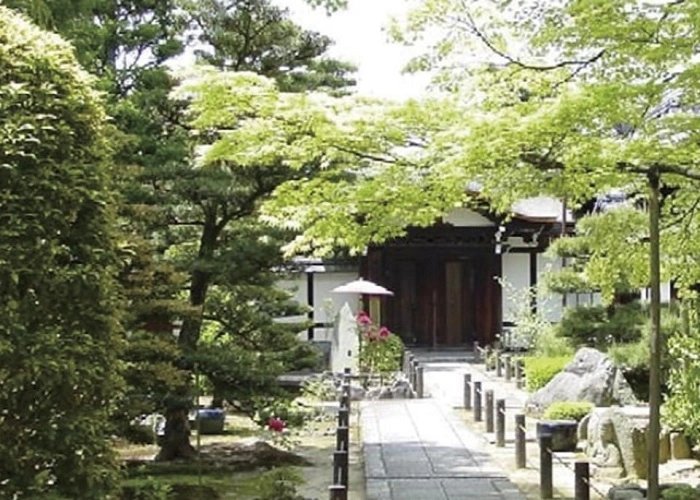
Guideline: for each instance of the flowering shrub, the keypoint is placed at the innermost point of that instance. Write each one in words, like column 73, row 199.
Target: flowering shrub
column 380, row 350
column 276, row 424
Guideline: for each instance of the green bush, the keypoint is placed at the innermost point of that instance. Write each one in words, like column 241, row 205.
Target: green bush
column 549, row 344
column 280, row 484
column 149, row 489
column 59, row 301
column 540, row 370
column 568, row 410
column 602, row 325
column 680, row 492
column 381, row 355
column 140, row 434
column 630, row 356
column 681, row 407
column 292, row 413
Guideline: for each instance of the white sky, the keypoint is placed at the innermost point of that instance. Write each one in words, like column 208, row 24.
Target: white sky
column 360, row 38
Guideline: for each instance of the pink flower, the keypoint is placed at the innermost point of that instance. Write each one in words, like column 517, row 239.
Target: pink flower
column 363, row 319
column 276, row 424
column 384, row 332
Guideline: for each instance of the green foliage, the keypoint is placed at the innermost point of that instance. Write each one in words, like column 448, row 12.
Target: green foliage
column 139, row 434
column 540, row 370
column 680, row 492
column 151, row 489
column 293, row 413
column 318, row 389
column 382, row 356
column 280, row 484
column 566, row 410
column 631, row 356
column 380, row 350
column 58, row 297
column 550, row 344
column 601, row 325
column 258, row 36
column 607, row 254
column 681, row 407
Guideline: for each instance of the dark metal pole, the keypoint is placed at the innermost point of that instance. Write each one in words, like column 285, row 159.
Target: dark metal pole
column 546, row 487
column 520, row 443
column 310, row 302
column 507, row 366
column 338, row 492
column 342, row 438
column 582, row 489
column 343, row 417
column 499, row 364
column 654, row 337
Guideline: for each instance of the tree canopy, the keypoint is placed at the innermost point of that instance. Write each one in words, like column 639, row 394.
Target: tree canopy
column 59, row 334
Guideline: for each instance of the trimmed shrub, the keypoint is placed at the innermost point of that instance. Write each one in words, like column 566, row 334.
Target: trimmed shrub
column 540, row 370
column 568, row 410
column 680, row 492
column 603, row 325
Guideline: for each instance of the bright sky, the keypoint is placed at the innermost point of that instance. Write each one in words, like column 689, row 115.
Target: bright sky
column 361, row 39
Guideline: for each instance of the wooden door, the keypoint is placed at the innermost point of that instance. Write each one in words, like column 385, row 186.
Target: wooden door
column 454, row 302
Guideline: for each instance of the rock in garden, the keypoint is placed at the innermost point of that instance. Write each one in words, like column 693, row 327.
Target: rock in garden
column 357, row 392
column 401, row 389
column 382, row 392
column 592, row 377
column 249, row 456
column 680, row 449
column 617, row 441
column 664, row 447
column 626, row 492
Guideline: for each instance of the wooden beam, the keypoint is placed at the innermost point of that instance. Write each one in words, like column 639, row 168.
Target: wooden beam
column 533, row 280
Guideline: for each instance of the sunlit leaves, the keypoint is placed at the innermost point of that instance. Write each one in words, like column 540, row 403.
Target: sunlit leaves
column 58, row 336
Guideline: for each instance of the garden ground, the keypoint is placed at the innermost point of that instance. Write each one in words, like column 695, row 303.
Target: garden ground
column 316, row 443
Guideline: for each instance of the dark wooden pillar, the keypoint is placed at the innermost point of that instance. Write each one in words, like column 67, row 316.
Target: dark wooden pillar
column 310, row 302
column 533, row 280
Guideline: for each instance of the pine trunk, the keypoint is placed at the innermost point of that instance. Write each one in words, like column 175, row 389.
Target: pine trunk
column 176, row 444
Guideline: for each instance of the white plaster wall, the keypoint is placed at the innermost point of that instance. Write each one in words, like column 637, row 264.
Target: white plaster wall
column 548, row 304
column 516, row 274
column 463, row 217
column 326, row 304
column 665, row 293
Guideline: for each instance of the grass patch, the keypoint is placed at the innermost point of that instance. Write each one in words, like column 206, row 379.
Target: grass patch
column 540, row 370
column 184, row 482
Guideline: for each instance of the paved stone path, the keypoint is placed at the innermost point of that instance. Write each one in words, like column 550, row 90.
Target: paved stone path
column 419, row 450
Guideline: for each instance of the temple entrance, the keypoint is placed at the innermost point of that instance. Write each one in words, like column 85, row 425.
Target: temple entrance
column 442, row 298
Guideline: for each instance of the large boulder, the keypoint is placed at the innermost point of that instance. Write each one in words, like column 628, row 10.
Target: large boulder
column 591, row 376
column 616, row 441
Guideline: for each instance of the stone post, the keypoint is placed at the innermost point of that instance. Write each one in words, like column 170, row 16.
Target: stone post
column 501, row 423
column 467, row 391
column 477, row 401
column 489, row 410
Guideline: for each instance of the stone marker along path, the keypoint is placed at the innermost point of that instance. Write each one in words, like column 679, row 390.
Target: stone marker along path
column 417, row 449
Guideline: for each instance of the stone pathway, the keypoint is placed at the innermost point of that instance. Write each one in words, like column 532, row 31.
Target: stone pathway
column 419, row 450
